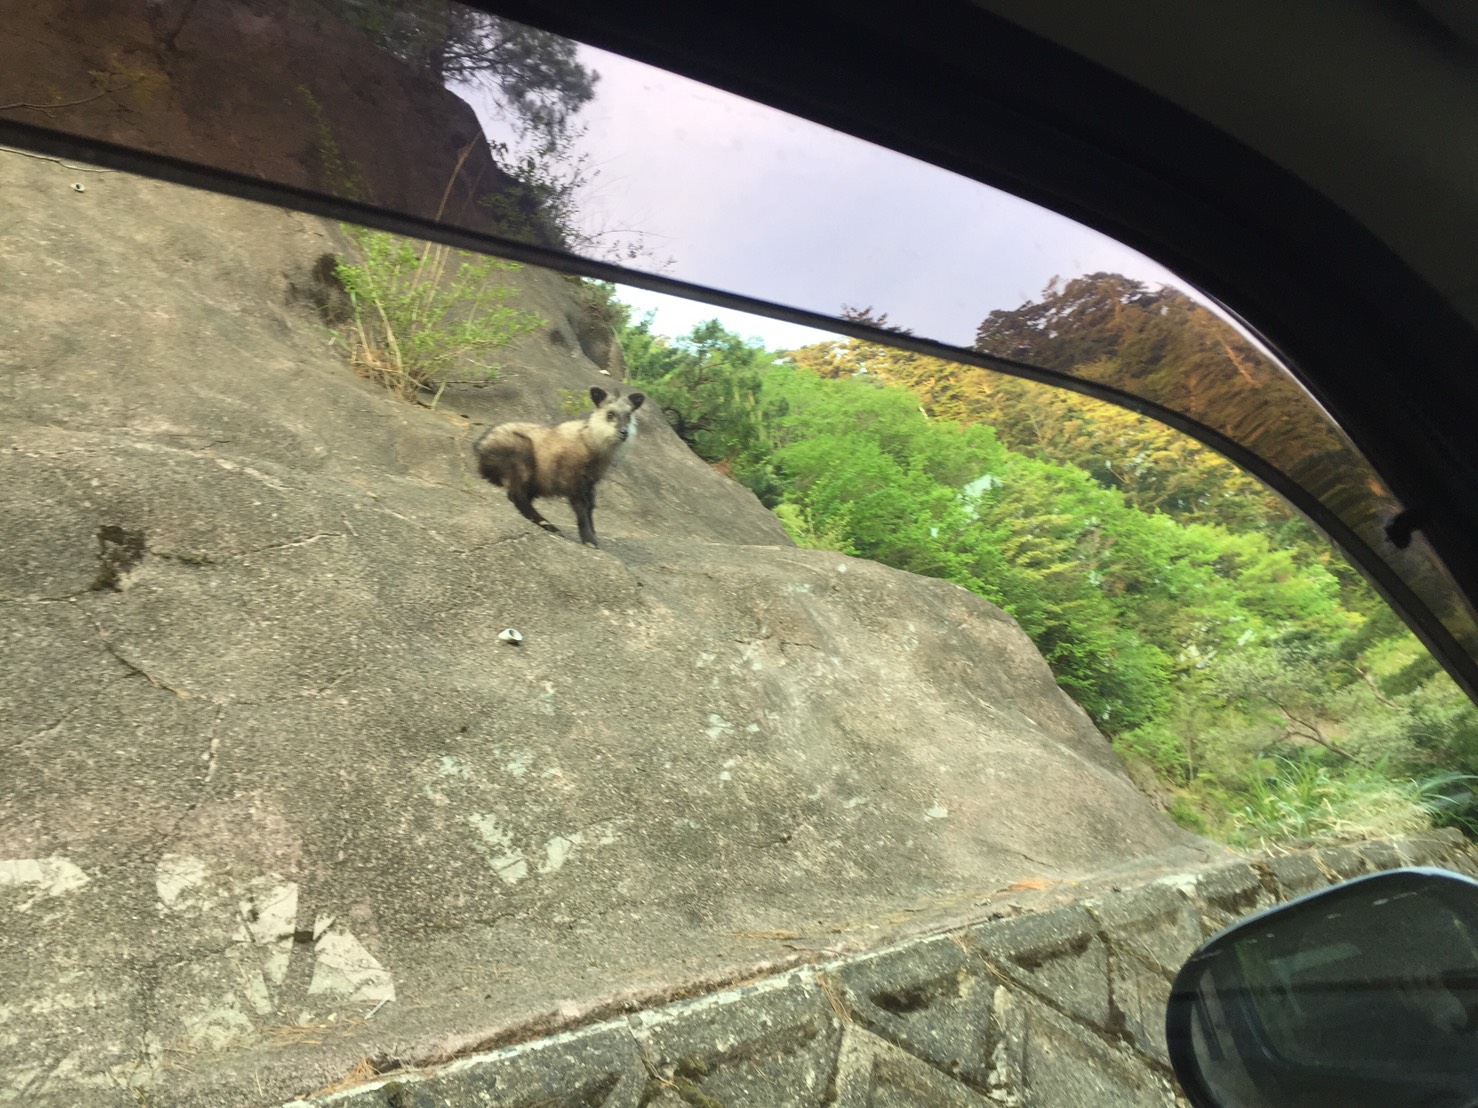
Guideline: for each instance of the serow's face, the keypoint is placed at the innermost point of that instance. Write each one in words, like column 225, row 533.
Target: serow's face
column 616, row 415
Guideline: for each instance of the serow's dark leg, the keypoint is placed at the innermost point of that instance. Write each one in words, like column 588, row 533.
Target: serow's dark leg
column 525, row 505
column 584, row 504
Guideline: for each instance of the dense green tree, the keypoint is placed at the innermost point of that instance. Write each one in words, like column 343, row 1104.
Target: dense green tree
column 1157, row 469
column 1046, row 552
column 864, row 465
column 707, row 384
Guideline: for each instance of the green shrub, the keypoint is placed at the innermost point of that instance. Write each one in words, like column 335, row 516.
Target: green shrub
column 1158, row 745
column 803, row 532
column 1302, row 802
column 421, row 310
column 1184, row 812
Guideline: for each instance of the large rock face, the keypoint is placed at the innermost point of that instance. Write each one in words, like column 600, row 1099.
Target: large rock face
column 275, row 797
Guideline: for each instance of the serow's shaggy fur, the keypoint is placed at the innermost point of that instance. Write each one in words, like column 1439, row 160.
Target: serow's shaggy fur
column 533, row 460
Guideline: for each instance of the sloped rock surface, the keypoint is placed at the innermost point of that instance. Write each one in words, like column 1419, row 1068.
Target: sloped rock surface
column 276, row 797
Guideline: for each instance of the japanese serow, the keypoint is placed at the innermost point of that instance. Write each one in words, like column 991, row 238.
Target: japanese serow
column 533, row 460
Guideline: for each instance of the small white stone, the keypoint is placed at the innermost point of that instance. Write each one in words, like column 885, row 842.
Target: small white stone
column 510, row 636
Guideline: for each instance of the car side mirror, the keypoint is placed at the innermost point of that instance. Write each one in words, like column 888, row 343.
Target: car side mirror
column 1363, row 994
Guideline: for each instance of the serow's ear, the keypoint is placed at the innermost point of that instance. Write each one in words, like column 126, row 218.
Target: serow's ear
column 597, row 395
column 636, row 399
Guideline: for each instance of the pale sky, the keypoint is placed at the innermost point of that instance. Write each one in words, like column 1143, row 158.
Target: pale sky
column 677, row 316
column 747, row 199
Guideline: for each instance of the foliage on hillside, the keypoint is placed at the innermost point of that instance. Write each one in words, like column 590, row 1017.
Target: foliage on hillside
column 1255, row 685
column 420, row 310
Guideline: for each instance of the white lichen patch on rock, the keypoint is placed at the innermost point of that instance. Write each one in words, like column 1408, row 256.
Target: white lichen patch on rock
column 558, row 849
column 52, row 876
column 344, row 969
column 512, row 864
column 245, row 927
column 448, row 766
column 910, row 641
column 269, row 914
column 544, row 702
column 497, row 847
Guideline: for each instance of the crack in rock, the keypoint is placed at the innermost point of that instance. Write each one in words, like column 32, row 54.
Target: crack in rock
column 64, row 598
column 132, row 667
column 288, row 545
